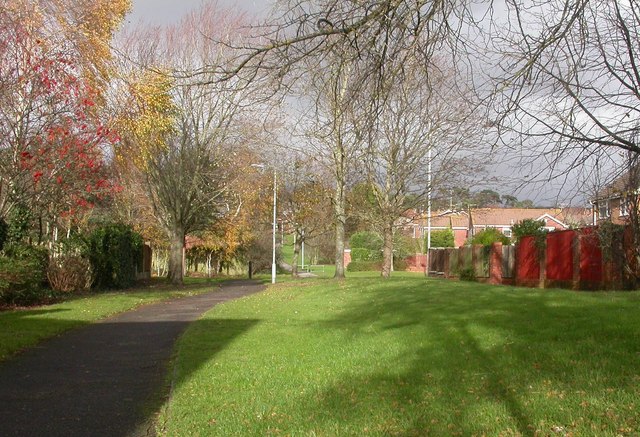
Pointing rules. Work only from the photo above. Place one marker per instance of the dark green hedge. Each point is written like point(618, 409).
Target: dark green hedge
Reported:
point(114, 251)
point(22, 275)
point(366, 240)
point(4, 230)
point(363, 254)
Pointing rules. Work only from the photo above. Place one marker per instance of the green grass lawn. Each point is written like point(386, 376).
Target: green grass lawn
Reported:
point(26, 327)
point(410, 356)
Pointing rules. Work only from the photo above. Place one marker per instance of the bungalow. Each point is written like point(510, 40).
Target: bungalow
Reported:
point(465, 224)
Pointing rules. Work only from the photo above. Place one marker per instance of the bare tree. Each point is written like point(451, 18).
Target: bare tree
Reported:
point(187, 171)
point(330, 134)
point(308, 30)
point(570, 81)
point(414, 144)
point(351, 56)
point(306, 205)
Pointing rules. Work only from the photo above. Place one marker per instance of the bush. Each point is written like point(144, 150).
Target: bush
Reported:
point(114, 252)
point(404, 246)
point(528, 227)
point(18, 224)
point(364, 266)
point(4, 229)
point(467, 274)
point(489, 236)
point(400, 265)
point(69, 273)
point(37, 255)
point(442, 238)
point(22, 273)
point(363, 254)
point(366, 240)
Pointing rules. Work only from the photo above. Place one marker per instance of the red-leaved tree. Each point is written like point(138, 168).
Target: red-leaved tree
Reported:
point(52, 137)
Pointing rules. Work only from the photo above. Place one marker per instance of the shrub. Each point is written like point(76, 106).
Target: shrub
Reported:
point(400, 265)
point(528, 227)
point(4, 229)
point(18, 224)
point(114, 251)
point(533, 228)
point(38, 256)
point(489, 236)
point(366, 240)
point(442, 238)
point(364, 266)
point(404, 246)
point(363, 254)
point(69, 273)
point(467, 274)
point(22, 273)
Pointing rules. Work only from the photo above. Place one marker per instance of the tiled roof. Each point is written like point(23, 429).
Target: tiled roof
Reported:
point(616, 188)
point(508, 216)
point(505, 216)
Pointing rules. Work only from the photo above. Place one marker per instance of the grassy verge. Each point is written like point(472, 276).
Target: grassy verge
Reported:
point(410, 356)
point(26, 327)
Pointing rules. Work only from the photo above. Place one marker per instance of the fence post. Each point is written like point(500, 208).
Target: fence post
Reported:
point(495, 264)
point(576, 245)
point(542, 283)
point(447, 263)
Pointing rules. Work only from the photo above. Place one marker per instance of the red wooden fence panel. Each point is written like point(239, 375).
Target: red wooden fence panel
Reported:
point(590, 258)
point(527, 262)
point(559, 259)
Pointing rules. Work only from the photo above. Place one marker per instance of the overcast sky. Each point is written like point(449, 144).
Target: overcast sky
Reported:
point(158, 12)
point(161, 12)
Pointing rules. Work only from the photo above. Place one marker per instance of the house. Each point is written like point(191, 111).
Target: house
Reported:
point(611, 203)
point(464, 224)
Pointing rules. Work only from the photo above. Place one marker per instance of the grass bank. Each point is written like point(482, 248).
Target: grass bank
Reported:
point(410, 356)
point(23, 328)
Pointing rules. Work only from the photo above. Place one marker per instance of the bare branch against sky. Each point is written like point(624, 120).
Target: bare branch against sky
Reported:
point(161, 12)
point(509, 170)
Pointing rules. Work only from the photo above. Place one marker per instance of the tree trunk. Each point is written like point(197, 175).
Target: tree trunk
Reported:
point(297, 243)
point(387, 251)
point(176, 259)
point(340, 218)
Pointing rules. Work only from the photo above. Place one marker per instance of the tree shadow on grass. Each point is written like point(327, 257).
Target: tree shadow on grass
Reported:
point(474, 359)
point(105, 379)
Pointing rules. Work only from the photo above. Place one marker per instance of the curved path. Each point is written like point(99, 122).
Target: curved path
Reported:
point(105, 379)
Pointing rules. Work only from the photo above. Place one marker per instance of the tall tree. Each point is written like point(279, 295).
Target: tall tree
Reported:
point(187, 169)
point(413, 142)
point(331, 135)
point(52, 126)
point(307, 208)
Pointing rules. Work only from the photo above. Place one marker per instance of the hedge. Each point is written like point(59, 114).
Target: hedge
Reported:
point(114, 251)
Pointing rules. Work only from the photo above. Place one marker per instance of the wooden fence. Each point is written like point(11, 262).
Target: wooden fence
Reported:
point(566, 259)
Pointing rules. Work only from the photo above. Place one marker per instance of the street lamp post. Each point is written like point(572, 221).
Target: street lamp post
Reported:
point(428, 211)
point(275, 193)
point(273, 256)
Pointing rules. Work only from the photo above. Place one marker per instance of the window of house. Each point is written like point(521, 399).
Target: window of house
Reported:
point(603, 210)
point(507, 232)
point(624, 206)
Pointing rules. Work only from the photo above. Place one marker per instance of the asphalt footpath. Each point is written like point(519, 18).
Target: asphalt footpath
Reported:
point(104, 379)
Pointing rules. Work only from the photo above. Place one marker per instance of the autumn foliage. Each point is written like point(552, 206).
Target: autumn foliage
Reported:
point(53, 134)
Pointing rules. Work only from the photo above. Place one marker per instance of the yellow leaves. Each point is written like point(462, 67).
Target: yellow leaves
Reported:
point(83, 27)
point(148, 120)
